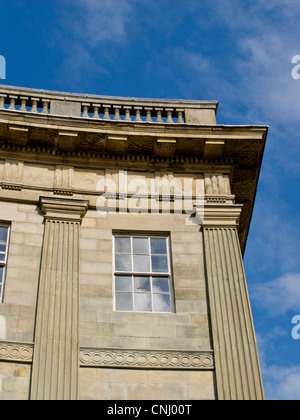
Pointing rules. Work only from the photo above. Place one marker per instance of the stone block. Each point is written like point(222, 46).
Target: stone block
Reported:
point(191, 332)
point(189, 294)
point(200, 116)
point(30, 228)
point(139, 330)
point(187, 247)
point(122, 375)
point(14, 381)
point(195, 270)
point(68, 109)
point(157, 392)
point(191, 307)
point(34, 239)
point(203, 392)
point(88, 244)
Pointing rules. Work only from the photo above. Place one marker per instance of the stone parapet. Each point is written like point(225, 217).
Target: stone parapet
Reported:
point(159, 111)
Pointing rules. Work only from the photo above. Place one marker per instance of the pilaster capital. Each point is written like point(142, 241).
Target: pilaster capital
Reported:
point(66, 209)
point(218, 215)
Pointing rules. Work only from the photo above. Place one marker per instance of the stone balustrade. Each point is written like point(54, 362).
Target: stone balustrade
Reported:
point(108, 108)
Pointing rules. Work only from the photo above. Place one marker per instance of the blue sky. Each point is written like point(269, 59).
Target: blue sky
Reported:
point(236, 51)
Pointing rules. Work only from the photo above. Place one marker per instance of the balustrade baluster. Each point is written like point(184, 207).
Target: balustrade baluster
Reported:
point(148, 114)
point(23, 100)
point(106, 112)
point(45, 106)
point(96, 111)
point(12, 105)
point(158, 115)
point(127, 113)
point(34, 104)
point(117, 113)
point(85, 110)
point(169, 115)
point(138, 110)
point(180, 116)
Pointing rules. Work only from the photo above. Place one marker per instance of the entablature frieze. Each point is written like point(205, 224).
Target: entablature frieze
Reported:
point(140, 190)
point(90, 143)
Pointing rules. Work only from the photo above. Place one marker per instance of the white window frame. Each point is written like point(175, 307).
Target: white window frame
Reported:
point(3, 264)
point(151, 274)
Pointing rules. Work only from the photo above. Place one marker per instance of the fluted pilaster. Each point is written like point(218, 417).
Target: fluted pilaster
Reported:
point(238, 373)
point(56, 348)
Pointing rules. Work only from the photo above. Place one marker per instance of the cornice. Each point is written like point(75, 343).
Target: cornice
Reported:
point(25, 120)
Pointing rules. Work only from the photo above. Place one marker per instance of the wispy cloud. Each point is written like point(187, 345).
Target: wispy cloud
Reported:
point(262, 35)
point(89, 32)
point(278, 296)
point(95, 22)
point(274, 234)
point(282, 383)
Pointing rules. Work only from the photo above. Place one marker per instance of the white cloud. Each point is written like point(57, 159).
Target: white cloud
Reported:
point(265, 38)
point(99, 21)
point(89, 31)
point(278, 296)
point(266, 341)
point(282, 383)
point(274, 244)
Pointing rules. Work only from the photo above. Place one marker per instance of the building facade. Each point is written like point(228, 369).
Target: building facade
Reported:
point(123, 224)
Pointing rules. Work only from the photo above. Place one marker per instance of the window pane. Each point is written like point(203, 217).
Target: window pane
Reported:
point(123, 284)
point(123, 263)
point(158, 246)
point(140, 245)
point(2, 248)
point(142, 284)
point(122, 245)
point(2, 257)
point(161, 303)
point(160, 264)
point(124, 302)
point(141, 263)
point(160, 285)
point(135, 288)
point(3, 234)
point(142, 302)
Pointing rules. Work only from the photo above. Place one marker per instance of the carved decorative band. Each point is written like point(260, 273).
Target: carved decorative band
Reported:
point(15, 352)
point(146, 359)
point(11, 186)
point(143, 359)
